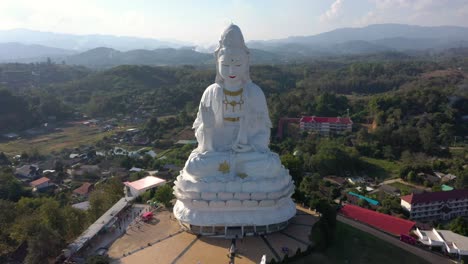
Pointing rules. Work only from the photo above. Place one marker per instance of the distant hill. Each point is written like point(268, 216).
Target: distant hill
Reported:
point(84, 42)
point(370, 39)
point(14, 51)
point(102, 51)
point(380, 31)
point(107, 57)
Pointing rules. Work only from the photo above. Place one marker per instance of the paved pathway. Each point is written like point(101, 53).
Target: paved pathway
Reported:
point(164, 242)
point(428, 256)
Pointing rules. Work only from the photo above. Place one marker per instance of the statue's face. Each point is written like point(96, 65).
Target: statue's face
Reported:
point(232, 67)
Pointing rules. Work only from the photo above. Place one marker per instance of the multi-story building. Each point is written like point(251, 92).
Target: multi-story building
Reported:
point(326, 125)
point(436, 205)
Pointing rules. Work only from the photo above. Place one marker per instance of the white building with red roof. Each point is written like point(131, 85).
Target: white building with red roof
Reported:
point(436, 205)
point(40, 183)
point(138, 187)
point(326, 125)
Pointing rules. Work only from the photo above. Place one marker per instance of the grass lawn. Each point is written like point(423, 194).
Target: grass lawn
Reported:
point(382, 169)
point(69, 137)
point(354, 246)
point(459, 152)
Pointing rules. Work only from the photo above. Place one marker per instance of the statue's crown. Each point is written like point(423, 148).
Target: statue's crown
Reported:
point(232, 38)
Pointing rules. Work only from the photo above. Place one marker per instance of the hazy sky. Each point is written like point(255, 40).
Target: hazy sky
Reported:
point(201, 21)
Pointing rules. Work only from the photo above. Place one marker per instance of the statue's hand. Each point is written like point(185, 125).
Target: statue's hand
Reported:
point(207, 115)
point(241, 148)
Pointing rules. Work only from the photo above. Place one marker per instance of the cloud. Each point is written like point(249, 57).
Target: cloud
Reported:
point(335, 10)
point(417, 12)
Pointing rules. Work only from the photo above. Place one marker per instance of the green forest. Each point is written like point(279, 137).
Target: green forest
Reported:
point(410, 115)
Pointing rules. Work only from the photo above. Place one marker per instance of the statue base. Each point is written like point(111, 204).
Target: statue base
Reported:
point(232, 222)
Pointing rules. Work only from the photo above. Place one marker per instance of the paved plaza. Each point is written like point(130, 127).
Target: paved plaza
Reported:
point(162, 241)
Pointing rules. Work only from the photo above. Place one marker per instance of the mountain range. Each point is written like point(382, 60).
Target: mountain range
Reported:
point(103, 51)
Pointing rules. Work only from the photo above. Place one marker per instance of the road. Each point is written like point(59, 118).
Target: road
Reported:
point(428, 256)
point(406, 183)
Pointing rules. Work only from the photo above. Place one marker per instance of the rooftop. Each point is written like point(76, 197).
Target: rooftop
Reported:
point(446, 188)
point(82, 206)
point(145, 183)
point(335, 179)
point(318, 119)
point(369, 200)
point(84, 189)
point(387, 223)
point(461, 242)
point(97, 226)
point(39, 181)
point(435, 196)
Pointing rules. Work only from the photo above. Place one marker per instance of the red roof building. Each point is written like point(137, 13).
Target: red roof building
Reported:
point(40, 183)
point(387, 223)
point(326, 125)
point(436, 205)
point(84, 189)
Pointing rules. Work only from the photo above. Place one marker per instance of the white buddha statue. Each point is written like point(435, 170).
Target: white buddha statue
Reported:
point(232, 167)
point(233, 114)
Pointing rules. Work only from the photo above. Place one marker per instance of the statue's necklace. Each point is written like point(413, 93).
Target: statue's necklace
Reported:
point(233, 103)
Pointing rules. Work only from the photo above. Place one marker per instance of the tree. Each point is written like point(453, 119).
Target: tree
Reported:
point(75, 222)
point(323, 232)
point(294, 165)
point(309, 184)
point(462, 179)
point(164, 195)
point(460, 226)
point(10, 187)
point(411, 176)
point(4, 159)
point(45, 244)
point(7, 218)
point(97, 260)
point(334, 158)
point(363, 203)
point(103, 197)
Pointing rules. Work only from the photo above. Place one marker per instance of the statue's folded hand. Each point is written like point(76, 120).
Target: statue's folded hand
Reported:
point(241, 148)
point(207, 115)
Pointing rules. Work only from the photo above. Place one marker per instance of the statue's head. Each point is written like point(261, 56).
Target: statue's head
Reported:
point(232, 58)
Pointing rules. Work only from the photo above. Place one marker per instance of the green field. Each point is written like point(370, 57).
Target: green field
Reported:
point(69, 137)
point(354, 246)
point(382, 169)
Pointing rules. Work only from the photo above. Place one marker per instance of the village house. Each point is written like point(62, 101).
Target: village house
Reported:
point(84, 190)
point(429, 178)
point(325, 125)
point(81, 170)
point(40, 183)
point(443, 205)
point(28, 171)
point(445, 177)
point(388, 189)
point(340, 181)
point(136, 188)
